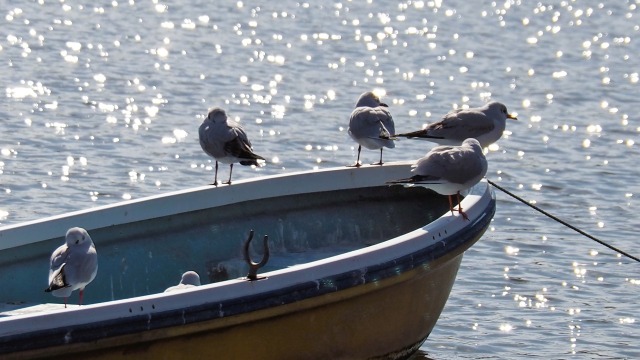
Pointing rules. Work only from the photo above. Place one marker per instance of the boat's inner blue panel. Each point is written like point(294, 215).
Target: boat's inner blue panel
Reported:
point(149, 256)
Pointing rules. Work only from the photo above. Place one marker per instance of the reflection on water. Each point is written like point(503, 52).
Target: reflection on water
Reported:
point(102, 102)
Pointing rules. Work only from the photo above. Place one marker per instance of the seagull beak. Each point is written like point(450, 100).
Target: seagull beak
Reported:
point(383, 104)
point(512, 117)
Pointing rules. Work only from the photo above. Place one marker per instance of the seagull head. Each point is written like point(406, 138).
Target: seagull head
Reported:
point(370, 99)
point(77, 236)
point(473, 143)
point(190, 278)
point(217, 115)
point(499, 111)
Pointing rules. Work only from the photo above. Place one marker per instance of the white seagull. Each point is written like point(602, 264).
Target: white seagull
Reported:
point(371, 125)
point(448, 170)
point(189, 279)
point(225, 141)
point(73, 265)
point(485, 123)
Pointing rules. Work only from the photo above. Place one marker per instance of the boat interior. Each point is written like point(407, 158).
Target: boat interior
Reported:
point(149, 256)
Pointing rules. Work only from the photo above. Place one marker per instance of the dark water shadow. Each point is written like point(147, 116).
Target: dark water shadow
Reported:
point(421, 355)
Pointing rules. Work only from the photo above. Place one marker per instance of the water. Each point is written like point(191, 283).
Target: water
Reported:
point(102, 103)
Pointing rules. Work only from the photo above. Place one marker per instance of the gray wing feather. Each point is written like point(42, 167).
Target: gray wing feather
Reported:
point(59, 256)
point(367, 122)
point(241, 149)
point(447, 163)
point(467, 124)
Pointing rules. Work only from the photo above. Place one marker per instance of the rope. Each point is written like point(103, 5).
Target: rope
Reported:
point(562, 221)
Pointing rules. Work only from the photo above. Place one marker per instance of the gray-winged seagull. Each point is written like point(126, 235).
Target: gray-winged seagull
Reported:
point(485, 123)
point(448, 170)
point(371, 125)
point(226, 141)
point(73, 265)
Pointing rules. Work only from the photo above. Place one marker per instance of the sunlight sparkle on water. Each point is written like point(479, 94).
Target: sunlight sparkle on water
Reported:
point(161, 8)
point(188, 24)
point(511, 250)
point(506, 327)
point(6, 152)
point(627, 320)
point(425, 62)
point(29, 89)
point(151, 110)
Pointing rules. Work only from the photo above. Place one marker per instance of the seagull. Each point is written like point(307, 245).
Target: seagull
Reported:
point(485, 123)
point(225, 141)
point(449, 169)
point(189, 279)
point(73, 265)
point(371, 125)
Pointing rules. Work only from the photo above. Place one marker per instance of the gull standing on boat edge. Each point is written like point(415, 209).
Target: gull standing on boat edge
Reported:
point(371, 125)
point(226, 141)
point(73, 265)
point(485, 123)
point(448, 170)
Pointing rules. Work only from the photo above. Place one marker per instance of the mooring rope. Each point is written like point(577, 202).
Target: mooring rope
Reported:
point(562, 221)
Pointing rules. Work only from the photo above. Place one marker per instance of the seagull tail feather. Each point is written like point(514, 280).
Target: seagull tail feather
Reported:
point(58, 281)
point(418, 134)
point(416, 179)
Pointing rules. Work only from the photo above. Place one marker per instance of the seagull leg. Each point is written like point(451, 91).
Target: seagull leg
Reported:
point(357, 164)
point(464, 215)
point(230, 171)
point(450, 204)
point(80, 297)
point(379, 163)
point(215, 177)
point(65, 302)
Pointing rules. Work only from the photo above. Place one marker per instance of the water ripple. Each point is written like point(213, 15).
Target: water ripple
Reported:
point(102, 103)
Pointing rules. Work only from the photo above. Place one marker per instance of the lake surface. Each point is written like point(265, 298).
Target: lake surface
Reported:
point(102, 102)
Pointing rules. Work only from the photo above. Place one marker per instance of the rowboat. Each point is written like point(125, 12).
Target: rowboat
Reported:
point(343, 267)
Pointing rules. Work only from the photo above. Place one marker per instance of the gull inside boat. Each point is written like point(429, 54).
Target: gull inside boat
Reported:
point(352, 268)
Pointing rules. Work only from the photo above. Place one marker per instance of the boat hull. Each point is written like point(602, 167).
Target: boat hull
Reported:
point(380, 300)
point(359, 323)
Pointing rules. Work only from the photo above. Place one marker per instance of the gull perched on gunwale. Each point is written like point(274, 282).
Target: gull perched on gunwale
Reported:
point(485, 123)
point(226, 141)
point(73, 265)
point(448, 170)
point(371, 125)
